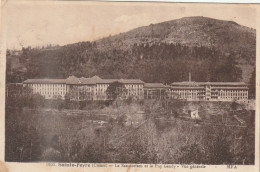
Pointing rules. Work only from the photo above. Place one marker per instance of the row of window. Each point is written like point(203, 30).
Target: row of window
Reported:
point(211, 91)
point(233, 94)
point(46, 85)
point(221, 97)
point(231, 97)
point(126, 85)
point(54, 89)
point(50, 93)
point(228, 94)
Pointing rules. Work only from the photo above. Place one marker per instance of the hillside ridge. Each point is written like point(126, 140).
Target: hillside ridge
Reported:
point(143, 53)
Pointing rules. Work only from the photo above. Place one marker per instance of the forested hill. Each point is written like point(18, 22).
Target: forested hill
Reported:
point(213, 50)
point(226, 36)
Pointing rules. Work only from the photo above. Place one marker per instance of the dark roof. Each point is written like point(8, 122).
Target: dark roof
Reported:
point(155, 85)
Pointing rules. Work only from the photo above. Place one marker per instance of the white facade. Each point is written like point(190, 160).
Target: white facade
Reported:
point(210, 91)
point(50, 90)
point(95, 88)
point(82, 88)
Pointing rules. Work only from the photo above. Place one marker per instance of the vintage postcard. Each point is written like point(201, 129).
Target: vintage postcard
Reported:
point(129, 86)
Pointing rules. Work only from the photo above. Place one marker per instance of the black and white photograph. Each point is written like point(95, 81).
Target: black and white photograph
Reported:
point(130, 83)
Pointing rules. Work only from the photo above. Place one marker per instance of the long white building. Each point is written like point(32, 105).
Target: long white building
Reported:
point(94, 88)
point(210, 91)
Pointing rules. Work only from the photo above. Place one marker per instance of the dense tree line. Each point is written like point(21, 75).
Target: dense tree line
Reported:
point(46, 136)
point(158, 62)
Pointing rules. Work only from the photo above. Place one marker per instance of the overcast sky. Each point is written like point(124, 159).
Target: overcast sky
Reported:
point(36, 24)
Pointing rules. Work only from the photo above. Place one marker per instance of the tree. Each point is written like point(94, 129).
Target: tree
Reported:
point(115, 90)
point(228, 71)
point(23, 142)
point(234, 106)
point(36, 101)
point(252, 85)
point(121, 119)
point(8, 52)
point(218, 146)
point(25, 54)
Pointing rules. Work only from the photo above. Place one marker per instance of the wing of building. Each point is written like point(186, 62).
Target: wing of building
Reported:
point(210, 91)
point(156, 91)
point(93, 88)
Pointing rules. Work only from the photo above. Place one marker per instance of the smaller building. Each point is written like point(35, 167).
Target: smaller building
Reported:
point(156, 91)
point(14, 90)
point(194, 114)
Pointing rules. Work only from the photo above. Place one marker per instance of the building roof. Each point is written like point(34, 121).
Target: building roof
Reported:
point(88, 81)
point(106, 81)
point(131, 81)
point(196, 87)
point(233, 88)
point(45, 81)
point(192, 83)
point(72, 80)
point(123, 81)
point(155, 85)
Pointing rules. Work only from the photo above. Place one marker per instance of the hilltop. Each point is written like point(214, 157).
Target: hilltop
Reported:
point(213, 50)
point(226, 36)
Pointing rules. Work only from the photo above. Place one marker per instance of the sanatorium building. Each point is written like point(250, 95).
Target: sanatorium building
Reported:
point(94, 88)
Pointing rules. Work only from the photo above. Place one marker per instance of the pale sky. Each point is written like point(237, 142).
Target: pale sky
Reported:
point(40, 23)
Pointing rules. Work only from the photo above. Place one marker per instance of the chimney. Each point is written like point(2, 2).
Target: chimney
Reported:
point(189, 77)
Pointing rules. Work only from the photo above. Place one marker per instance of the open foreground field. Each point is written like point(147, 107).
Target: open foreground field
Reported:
point(147, 132)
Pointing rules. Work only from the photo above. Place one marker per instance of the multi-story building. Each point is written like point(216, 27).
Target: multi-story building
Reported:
point(49, 88)
point(93, 88)
point(211, 91)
